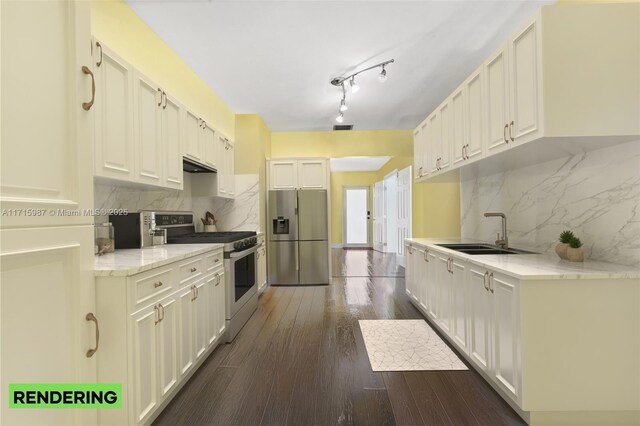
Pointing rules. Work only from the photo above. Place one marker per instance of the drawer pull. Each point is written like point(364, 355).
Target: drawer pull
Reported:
point(157, 311)
point(216, 261)
point(217, 280)
point(193, 290)
point(158, 284)
point(91, 317)
point(194, 269)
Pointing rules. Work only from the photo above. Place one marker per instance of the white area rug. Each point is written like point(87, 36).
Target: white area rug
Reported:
point(403, 345)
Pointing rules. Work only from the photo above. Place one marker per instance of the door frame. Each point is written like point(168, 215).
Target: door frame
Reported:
point(390, 211)
point(344, 216)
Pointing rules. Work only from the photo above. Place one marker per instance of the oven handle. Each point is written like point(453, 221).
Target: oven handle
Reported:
point(243, 253)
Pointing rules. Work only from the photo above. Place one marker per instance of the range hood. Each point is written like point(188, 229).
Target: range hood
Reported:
point(193, 167)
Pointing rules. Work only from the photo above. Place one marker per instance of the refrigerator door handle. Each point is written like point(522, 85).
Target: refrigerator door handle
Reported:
point(297, 259)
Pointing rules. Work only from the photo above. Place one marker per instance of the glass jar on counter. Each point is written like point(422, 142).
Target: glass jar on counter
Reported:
point(104, 238)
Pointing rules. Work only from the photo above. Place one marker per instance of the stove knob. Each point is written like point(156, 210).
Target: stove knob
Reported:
point(237, 245)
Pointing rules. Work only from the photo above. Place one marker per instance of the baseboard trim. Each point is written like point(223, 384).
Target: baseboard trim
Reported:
point(336, 246)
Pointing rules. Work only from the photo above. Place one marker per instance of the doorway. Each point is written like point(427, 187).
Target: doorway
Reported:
point(355, 229)
point(390, 185)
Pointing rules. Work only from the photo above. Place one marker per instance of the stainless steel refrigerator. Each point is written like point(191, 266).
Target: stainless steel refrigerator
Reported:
point(298, 238)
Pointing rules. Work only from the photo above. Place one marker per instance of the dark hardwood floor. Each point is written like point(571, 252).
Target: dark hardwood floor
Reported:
point(301, 360)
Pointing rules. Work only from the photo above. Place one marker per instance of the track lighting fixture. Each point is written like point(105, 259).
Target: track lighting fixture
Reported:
point(353, 87)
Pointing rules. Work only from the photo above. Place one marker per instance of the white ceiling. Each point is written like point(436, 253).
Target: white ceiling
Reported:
point(357, 164)
point(276, 58)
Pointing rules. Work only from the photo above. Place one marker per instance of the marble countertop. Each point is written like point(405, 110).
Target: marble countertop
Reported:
point(533, 266)
point(123, 263)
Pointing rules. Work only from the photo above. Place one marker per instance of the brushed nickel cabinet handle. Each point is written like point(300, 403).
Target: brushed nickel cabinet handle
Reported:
point(91, 317)
point(165, 99)
point(464, 147)
point(158, 284)
point(159, 91)
point(217, 260)
point(195, 287)
point(194, 269)
point(484, 280)
point(426, 255)
point(100, 47)
point(87, 105)
point(490, 281)
point(504, 133)
point(162, 310)
point(510, 135)
point(217, 280)
point(193, 290)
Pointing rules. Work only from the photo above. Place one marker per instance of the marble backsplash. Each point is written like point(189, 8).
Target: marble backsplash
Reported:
point(241, 213)
point(595, 194)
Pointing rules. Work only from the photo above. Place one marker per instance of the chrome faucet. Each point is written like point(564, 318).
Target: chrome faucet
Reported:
point(502, 242)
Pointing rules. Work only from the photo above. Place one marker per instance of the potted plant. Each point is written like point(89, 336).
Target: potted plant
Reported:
point(563, 245)
point(574, 252)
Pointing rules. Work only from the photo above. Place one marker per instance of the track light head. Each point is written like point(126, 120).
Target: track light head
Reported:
point(383, 75)
point(353, 85)
point(343, 106)
point(340, 118)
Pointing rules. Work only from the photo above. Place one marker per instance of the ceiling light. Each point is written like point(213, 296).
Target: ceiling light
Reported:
point(383, 75)
point(353, 85)
point(351, 79)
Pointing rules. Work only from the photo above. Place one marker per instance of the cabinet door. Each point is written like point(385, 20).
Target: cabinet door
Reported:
point(434, 143)
point(506, 323)
point(113, 125)
point(47, 289)
point(409, 275)
point(479, 315)
point(473, 116)
point(212, 308)
point(459, 305)
point(458, 125)
point(147, 116)
point(193, 139)
point(200, 320)
point(433, 289)
point(417, 153)
point(312, 174)
point(145, 362)
point(423, 275)
point(46, 134)
point(221, 303)
point(526, 83)
point(168, 345)
point(283, 174)
point(210, 146)
point(444, 294)
point(172, 138)
point(185, 326)
point(497, 120)
point(221, 149)
point(230, 172)
point(446, 131)
point(425, 134)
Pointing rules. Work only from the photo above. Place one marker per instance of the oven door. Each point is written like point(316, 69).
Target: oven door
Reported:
point(240, 268)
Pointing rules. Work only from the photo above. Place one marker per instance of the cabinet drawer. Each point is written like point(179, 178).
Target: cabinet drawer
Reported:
point(151, 285)
point(191, 269)
point(213, 260)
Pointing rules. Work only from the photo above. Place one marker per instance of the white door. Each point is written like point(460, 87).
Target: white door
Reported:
point(147, 101)
point(113, 112)
point(46, 135)
point(355, 216)
point(193, 139)
point(167, 345)
point(283, 174)
point(404, 211)
point(479, 314)
point(185, 325)
point(458, 125)
point(526, 87)
point(145, 361)
point(211, 155)
point(312, 174)
point(390, 244)
point(378, 216)
point(473, 118)
point(172, 138)
point(497, 101)
point(506, 359)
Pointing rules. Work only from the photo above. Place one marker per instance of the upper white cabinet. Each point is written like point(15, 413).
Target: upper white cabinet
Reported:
point(147, 117)
point(193, 138)
point(172, 137)
point(308, 173)
point(551, 82)
point(210, 147)
point(225, 175)
point(114, 117)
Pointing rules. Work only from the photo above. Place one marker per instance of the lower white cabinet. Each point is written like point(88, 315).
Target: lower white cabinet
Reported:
point(156, 327)
point(261, 257)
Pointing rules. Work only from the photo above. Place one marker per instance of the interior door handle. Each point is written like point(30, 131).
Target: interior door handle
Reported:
point(91, 317)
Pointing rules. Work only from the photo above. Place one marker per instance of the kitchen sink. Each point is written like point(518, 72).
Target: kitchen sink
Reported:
point(477, 249)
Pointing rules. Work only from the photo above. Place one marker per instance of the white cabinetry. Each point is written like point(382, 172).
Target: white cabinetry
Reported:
point(225, 175)
point(46, 163)
point(157, 327)
point(261, 258)
point(193, 139)
point(473, 116)
point(292, 173)
point(148, 101)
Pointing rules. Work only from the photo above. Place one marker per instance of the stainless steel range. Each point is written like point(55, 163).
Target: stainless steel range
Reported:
point(239, 263)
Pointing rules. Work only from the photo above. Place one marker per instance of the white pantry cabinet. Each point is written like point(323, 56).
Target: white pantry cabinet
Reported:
point(157, 327)
point(113, 112)
point(298, 173)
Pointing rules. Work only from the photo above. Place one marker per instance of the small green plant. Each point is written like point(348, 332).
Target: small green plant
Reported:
point(566, 236)
point(575, 242)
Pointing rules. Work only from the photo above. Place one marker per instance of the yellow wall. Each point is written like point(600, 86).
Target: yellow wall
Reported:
point(252, 146)
point(117, 26)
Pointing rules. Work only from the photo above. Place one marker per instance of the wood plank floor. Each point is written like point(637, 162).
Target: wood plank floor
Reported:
point(301, 360)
